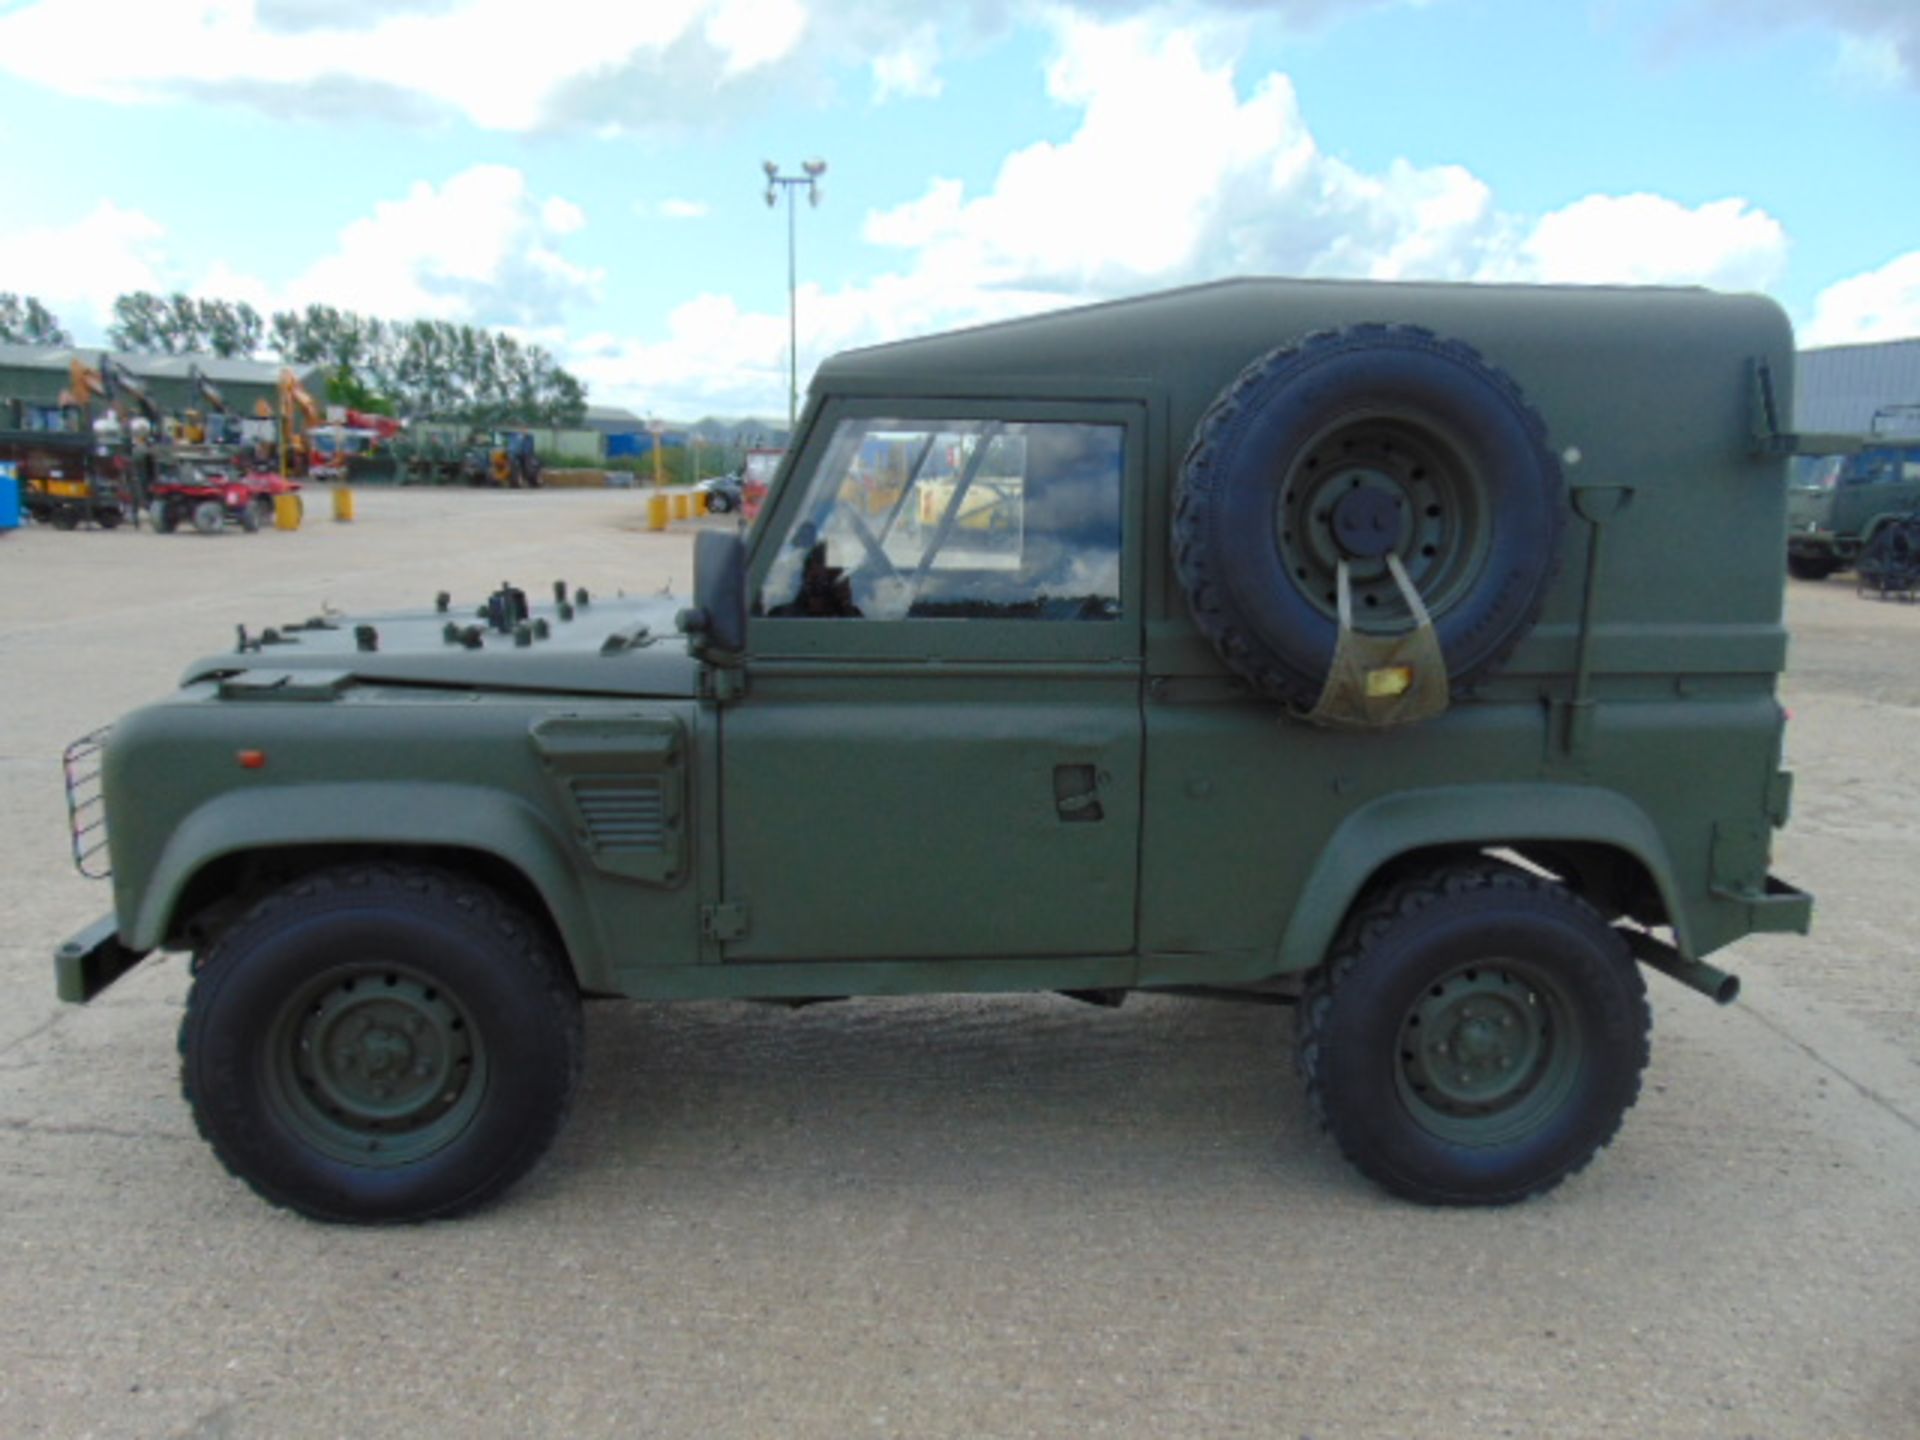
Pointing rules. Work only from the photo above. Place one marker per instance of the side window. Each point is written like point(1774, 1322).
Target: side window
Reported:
point(956, 519)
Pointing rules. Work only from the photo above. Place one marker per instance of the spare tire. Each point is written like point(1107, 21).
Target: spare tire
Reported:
point(1349, 446)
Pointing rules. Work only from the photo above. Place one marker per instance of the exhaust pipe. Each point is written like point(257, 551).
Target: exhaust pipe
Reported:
point(1710, 980)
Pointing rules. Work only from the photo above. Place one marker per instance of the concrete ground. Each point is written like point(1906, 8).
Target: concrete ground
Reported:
point(984, 1217)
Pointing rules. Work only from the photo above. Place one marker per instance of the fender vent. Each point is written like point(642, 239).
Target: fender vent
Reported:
point(623, 779)
point(623, 816)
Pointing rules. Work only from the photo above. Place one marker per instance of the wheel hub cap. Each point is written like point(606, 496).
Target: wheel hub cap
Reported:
point(1366, 522)
point(377, 1064)
point(1476, 1042)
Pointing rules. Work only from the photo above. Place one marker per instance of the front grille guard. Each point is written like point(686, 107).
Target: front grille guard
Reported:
point(87, 805)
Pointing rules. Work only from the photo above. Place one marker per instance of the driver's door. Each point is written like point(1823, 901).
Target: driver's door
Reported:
point(938, 753)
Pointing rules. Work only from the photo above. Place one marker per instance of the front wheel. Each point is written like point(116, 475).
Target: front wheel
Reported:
point(1476, 1036)
point(381, 1043)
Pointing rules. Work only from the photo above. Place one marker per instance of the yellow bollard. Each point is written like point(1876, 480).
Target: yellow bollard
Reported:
point(702, 503)
point(287, 512)
point(680, 508)
point(656, 511)
point(342, 503)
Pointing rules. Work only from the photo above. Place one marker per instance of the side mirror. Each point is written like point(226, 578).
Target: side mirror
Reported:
point(717, 620)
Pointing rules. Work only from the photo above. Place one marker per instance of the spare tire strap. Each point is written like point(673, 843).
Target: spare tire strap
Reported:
point(1379, 681)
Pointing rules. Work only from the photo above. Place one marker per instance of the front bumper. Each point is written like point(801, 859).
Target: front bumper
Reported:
point(91, 961)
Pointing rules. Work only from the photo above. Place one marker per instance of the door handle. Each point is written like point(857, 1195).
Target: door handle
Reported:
point(1076, 792)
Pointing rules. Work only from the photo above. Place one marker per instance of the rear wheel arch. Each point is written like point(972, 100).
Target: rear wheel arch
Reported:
point(1598, 844)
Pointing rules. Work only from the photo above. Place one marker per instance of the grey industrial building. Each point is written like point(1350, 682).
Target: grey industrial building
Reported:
point(1860, 389)
point(35, 375)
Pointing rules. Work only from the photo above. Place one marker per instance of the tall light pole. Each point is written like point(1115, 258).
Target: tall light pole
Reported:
point(811, 171)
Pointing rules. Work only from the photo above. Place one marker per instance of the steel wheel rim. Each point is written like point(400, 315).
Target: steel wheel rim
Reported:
point(1411, 474)
point(1488, 1053)
point(375, 1065)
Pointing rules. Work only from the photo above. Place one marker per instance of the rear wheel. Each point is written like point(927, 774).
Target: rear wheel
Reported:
point(249, 517)
point(209, 517)
point(1810, 567)
point(381, 1043)
point(1476, 1036)
point(163, 517)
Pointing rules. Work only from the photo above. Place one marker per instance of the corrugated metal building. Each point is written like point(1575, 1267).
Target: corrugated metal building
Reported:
point(1846, 389)
point(36, 374)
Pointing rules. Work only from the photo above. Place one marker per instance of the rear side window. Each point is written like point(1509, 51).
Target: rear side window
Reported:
point(954, 520)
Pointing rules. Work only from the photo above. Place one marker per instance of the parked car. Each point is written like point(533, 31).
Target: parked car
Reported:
point(723, 493)
point(1303, 652)
point(1836, 504)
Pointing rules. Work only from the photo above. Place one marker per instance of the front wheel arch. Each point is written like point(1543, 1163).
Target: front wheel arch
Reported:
point(226, 886)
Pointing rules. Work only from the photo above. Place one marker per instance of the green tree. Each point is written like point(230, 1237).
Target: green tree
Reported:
point(430, 368)
point(25, 321)
point(141, 321)
point(230, 329)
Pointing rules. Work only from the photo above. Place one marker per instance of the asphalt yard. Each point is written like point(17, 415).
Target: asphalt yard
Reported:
point(992, 1217)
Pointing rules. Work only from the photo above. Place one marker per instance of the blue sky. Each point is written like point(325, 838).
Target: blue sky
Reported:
point(593, 180)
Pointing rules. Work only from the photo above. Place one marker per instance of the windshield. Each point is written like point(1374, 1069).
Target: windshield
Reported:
point(1814, 472)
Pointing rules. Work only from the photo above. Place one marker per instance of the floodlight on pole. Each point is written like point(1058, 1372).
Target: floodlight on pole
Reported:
point(811, 171)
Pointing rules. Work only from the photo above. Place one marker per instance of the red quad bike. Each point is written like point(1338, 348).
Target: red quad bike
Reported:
point(209, 495)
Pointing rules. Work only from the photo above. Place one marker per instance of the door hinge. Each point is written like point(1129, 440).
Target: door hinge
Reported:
point(721, 683)
point(725, 921)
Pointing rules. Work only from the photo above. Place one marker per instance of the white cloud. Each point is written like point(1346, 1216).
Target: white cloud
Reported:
point(1207, 181)
point(478, 248)
point(562, 217)
point(683, 210)
point(485, 59)
point(754, 33)
point(911, 68)
point(1882, 304)
point(1211, 179)
point(1650, 240)
point(78, 269)
point(576, 64)
point(1876, 41)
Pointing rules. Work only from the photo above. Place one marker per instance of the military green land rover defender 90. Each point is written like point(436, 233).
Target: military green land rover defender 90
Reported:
point(1343, 644)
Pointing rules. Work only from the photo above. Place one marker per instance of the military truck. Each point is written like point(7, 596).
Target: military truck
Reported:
point(1836, 504)
point(1346, 645)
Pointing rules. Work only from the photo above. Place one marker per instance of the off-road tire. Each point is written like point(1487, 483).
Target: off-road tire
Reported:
point(163, 517)
point(1810, 567)
point(1468, 949)
point(209, 517)
point(350, 984)
point(1472, 498)
point(248, 517)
